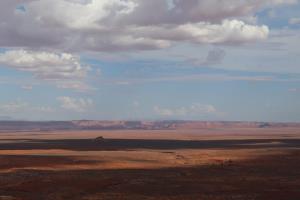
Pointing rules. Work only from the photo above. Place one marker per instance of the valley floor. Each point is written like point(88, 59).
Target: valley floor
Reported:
point(206, 164)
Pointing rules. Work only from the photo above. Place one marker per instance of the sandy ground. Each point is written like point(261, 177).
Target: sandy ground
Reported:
point(189, 134)
point(216, 164)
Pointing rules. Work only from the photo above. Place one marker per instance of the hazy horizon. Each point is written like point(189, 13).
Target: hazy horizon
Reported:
point(147, 120)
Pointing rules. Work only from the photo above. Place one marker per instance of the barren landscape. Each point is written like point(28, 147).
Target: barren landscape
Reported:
point(149, 100)
point(220, 163)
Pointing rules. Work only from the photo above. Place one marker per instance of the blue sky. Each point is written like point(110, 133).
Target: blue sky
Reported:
point(111, 60)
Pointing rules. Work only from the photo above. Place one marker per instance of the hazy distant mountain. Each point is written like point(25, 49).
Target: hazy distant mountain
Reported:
point(8, 125)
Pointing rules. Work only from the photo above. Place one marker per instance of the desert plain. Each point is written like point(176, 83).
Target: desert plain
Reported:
point(227, 163)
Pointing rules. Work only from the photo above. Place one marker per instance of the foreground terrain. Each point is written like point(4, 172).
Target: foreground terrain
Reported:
point(231, 163)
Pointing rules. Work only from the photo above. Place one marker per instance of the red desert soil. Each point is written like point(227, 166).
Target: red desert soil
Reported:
point(205, 164)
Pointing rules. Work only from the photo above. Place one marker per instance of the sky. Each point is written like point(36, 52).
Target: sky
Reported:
point(228, 60)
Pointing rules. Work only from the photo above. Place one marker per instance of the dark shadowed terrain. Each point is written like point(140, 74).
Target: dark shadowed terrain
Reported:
point(273, 177)
point(221, 163)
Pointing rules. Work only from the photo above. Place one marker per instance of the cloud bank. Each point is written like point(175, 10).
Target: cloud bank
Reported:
point(46, 37)
point(196, 109)
point(119, 25)
point(75, 105)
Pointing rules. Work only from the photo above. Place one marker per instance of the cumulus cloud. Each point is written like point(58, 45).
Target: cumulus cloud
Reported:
point(44, 65)
point(19, 106)
point(75, 105)
point(294, 21)
point(62, 68)
point(13, 107)
point(75, 85)
point(27, 87)
point(195, 109)
point(80, 14)
point(51, 32)
point(294, 89)
point(44, 109)
point(118, 25)
point(191, 11)
point(229, 31)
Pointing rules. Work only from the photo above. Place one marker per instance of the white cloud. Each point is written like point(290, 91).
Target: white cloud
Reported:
point(196, 77)
point(76, 105)
point(75, 85)
point(26, 87)
point(44, 65)
point(136, 104)
point(44, 109)
point(13, 107)
point(61, 68)
point(233, 31)
point(79, 14)
point(110, 25)
point(195, 109)
point(294, 21)
point(294, 89)
point(90, 26)
point(191, 11)
point(19, 106)
point(229, 31)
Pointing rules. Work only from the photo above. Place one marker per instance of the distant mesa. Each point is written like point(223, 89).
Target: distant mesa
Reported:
point(9, 125)
point(99, 139)
point(264, 125)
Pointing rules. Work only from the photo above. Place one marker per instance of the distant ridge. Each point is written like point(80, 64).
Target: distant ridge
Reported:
point(120, 125)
